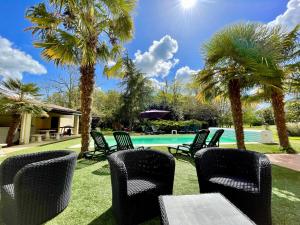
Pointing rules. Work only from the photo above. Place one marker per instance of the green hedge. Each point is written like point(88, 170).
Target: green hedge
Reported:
point(169, 125)
point(293, 129)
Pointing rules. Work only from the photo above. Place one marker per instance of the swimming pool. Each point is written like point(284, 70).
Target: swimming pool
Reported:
point(152, 140)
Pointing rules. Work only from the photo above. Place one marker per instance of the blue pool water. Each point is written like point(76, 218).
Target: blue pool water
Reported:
point(227, 137)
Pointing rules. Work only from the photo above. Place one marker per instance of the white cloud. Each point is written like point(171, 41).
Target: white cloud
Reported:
point(13, 62)
point(185, 74)
point(291, 17)
point(156, 84)
point(159, 59)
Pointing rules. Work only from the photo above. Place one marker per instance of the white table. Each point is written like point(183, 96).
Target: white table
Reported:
point(202, 209)
point(2, 153)
point(47, 133)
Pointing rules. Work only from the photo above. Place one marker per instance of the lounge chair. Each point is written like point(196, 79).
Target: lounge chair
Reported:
point(101, 147)
point(190, 149)
point(215, 140)
point(184, 130)
point(124, 141)
point(147, 130)
point(156, 131)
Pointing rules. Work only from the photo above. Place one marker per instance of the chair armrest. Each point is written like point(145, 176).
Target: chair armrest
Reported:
point(10, 167)
point(119, 176)
point(204, 162)
point(264, 174)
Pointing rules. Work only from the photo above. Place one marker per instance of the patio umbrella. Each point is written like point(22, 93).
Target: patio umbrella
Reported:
point(154, 114)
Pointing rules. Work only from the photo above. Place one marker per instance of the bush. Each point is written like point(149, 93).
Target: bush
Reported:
point(169, 125)
point(293, 129)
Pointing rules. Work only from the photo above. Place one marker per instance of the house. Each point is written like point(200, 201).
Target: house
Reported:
point(55, 118)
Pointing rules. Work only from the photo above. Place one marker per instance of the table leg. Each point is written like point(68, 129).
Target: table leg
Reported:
point(47, 136)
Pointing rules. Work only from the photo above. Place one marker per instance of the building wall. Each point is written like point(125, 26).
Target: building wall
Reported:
point(66, 120)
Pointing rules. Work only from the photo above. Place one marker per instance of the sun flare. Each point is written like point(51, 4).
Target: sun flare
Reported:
point(187, 4)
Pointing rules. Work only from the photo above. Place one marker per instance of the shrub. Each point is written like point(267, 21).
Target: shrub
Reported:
point(293, 129)
point(169, 125)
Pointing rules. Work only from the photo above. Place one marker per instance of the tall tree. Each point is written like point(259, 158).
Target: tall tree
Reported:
point(136, 94)
point(17, 101)
point(82, 33)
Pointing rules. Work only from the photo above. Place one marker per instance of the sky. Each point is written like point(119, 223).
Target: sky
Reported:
point(167, 39)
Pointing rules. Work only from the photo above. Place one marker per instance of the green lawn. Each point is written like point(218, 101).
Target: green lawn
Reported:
point(91, 195)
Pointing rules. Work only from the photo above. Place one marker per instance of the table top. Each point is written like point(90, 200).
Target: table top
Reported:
point(3, 145)
point(46, 130)
point(202, 209)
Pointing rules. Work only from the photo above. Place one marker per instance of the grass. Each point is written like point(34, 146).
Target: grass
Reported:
point(91, 191)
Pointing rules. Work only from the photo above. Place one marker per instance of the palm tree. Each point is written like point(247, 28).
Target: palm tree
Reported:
point(284, 65)
point(236, 57)
point(18, 101)
point(82, 33)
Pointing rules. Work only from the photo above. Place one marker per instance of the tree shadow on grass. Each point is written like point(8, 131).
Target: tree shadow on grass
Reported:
point(103, 171)
point(285, 196)
point(83, 163)
point(106, 218)
point(184, 158)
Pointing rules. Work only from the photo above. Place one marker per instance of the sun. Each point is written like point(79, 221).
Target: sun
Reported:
point(188, 4)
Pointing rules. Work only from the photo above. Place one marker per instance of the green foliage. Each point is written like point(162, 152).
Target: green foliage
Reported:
point(266, 115)
point(81, 32)
point(136, 93)
point(293, 111)
point(293, 129)
point(169, 125)
point(251, 117)
point(20, 98)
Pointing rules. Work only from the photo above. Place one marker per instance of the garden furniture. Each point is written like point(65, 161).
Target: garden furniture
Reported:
point(243, 177)
point(1, 152)
point(215, 140)
point(36, 138)
point(147, 130)
point(204, 209)
point(36, 187)
point(138, 178)
point(157, 131)
point(101, 147)
point(190, 149)
point(124, 141)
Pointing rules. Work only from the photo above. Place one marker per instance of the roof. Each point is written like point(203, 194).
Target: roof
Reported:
point(50, 107)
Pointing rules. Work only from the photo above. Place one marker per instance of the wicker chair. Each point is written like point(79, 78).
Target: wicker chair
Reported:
point(138, 178)
point(244, 177)
point(36, 187)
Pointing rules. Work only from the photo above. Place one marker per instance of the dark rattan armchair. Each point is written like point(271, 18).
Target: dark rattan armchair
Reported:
point(138, 178)
point(36, 187)
point(244, 177)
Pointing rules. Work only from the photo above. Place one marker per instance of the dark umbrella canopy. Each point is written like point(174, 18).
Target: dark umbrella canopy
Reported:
point(154, 114)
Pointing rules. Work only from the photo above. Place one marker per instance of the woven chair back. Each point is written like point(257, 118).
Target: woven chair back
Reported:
point(199, 140)
point(216, 138)
point(99, 140)
point(123, 140)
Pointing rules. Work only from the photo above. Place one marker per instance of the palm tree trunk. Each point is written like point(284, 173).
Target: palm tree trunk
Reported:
point(16, 120)
point(87, 81)
point(234, 91)
point(277, 99)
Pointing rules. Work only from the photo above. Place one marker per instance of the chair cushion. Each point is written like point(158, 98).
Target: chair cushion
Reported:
point(139, 186)
point(8, 191)
point(235, 182)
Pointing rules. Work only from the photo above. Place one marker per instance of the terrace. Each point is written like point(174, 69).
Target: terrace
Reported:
point(91, 188)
